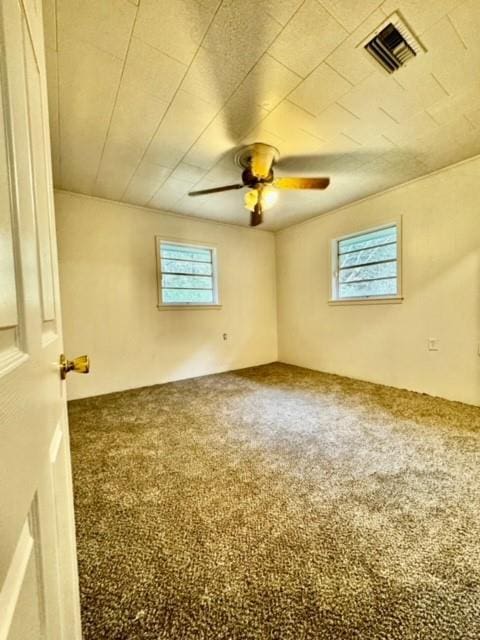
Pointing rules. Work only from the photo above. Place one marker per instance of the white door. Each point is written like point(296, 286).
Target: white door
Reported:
point(38, 571)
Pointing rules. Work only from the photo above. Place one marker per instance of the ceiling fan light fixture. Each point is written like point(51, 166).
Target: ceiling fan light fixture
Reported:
point(266, 195)
point(251, 199)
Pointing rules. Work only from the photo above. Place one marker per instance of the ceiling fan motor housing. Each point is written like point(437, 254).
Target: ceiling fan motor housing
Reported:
point(252, 181)
point(259, 158)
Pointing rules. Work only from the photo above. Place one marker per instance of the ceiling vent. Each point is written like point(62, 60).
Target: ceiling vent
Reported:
point(393, 44)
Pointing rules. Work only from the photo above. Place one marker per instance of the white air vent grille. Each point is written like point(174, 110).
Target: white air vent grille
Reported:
point(393, 44)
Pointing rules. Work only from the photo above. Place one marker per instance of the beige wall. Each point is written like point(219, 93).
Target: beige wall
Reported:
point(387, 343)
point(109, 297)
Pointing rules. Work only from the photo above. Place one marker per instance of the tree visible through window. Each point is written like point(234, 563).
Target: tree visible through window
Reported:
point(187, 274)
point(366, 265)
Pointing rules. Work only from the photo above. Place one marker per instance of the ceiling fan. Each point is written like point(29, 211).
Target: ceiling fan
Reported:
point(257, 161)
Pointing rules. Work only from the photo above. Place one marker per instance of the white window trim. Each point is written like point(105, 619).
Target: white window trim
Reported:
point(165, 306)
point(386, 299)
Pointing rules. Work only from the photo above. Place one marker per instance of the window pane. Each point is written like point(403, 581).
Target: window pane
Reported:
point(383, 270)
point(187, 282)
point(187, 274)
point(199, 296)
point(177, 252)
point(369, 239)
point(373, 288)
point(175, 266)
point(365, 256)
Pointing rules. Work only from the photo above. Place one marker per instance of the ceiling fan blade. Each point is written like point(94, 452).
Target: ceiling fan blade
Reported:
point(301, 183)
point(321, 162)
point(256, 216)
point(263, 156)
point(318, 161)
point(228, 187)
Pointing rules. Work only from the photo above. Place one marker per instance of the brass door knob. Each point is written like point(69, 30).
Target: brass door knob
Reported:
point(79, 365)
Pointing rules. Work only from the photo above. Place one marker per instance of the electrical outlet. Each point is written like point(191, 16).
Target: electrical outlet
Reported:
point(225, 336)
point(433, 344)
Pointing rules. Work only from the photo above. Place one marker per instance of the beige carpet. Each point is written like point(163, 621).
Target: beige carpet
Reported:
point(277, 503)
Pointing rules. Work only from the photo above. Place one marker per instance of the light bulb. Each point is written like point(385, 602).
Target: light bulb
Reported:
point(269, 197)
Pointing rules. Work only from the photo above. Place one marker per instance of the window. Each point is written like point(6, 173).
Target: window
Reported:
point(187, 274)
point(366, 265)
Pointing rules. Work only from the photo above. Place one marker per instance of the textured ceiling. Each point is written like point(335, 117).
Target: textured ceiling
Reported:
point(148, 98)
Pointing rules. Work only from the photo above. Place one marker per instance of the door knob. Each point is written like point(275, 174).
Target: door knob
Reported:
point(79, 365)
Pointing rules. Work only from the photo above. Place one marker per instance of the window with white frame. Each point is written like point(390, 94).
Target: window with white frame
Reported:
point(366, 265)
point(187, 274)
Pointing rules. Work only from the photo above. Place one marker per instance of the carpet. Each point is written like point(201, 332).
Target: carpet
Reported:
point(277, 503)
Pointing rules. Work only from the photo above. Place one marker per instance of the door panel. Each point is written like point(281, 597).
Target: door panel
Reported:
point(20, 599)
point(26, 623)
point(8, 291)
point(9, 314)
point(39, 168)
point(38, 572)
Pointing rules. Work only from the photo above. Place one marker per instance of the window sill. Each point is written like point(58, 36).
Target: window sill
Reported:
point(355, 301)
point(187, 307)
